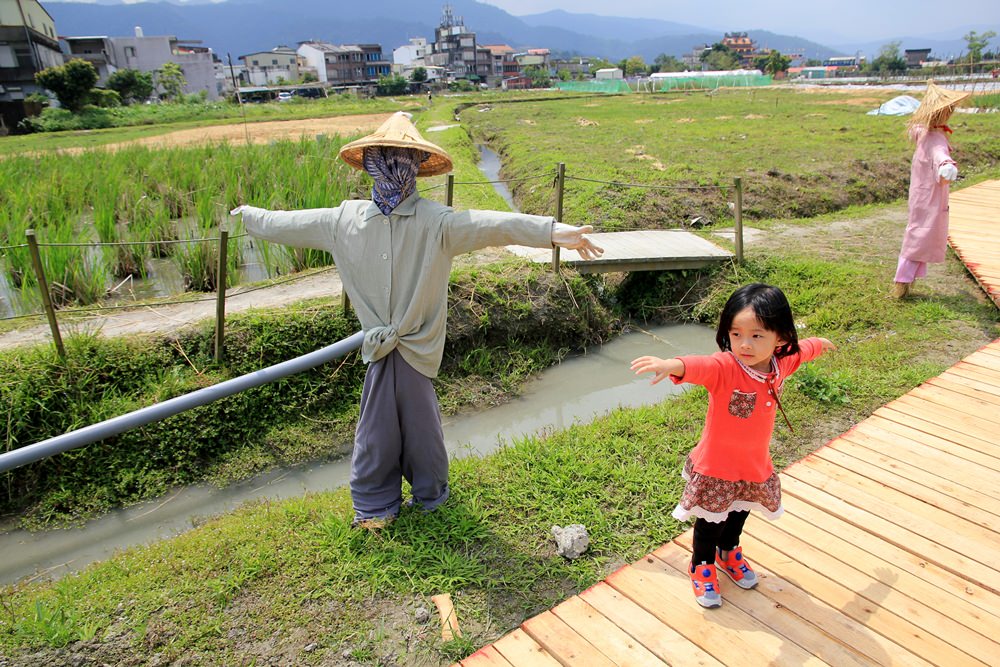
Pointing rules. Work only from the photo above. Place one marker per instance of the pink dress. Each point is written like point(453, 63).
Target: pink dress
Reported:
point(926, 234)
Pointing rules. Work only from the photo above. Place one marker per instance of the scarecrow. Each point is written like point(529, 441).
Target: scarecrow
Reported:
point(931, 172)
point(394, 256)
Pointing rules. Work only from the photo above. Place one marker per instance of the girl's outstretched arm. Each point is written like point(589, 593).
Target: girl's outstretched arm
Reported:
point(661, 367)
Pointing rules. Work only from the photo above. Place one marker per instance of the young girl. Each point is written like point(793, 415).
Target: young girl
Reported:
point(729, 472)
point(931, 171)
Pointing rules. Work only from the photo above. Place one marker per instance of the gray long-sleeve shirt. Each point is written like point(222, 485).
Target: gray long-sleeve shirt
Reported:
point(395, 268)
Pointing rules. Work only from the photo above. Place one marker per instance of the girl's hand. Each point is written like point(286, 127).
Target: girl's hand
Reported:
point(827, 345)
point(661, 367)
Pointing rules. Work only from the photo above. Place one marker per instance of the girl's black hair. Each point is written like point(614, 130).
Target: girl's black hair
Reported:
point(772, 309)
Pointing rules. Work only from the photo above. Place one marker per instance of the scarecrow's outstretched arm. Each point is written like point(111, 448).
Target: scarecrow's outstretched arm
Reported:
point(308, 228)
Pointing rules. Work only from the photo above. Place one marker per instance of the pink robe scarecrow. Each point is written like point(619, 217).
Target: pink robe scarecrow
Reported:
point(926, 234)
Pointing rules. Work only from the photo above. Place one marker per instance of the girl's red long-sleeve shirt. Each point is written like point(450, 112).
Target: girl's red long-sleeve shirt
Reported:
point(735, 443)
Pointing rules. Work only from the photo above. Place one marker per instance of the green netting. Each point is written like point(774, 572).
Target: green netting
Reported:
point(712, 82)
point(595, 86)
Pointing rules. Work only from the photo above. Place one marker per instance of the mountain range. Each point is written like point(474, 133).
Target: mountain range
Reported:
point(244, 26)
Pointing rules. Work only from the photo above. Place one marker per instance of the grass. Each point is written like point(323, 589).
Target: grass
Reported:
point(273, 577)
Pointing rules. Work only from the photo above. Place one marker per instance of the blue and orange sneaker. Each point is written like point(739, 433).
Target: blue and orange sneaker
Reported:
point(705, 582)
point(737, 567)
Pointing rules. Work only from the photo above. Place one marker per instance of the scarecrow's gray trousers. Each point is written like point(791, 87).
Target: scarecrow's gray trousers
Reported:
point(399, 435)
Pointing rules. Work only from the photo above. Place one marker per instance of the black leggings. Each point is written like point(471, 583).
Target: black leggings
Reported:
point(725, 535)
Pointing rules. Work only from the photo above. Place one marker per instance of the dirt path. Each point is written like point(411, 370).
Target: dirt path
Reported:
point(258, 132)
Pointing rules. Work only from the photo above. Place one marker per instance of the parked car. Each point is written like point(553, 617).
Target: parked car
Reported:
point(284, 96)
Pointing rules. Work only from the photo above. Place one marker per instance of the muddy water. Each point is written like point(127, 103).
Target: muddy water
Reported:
point(489, 164)
point(577, 390)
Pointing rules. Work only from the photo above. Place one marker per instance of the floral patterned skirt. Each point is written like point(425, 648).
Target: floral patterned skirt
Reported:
point(712, 499)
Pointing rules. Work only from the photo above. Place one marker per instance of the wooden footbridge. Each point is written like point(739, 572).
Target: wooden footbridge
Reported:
point(888, 554)
point(648, 250)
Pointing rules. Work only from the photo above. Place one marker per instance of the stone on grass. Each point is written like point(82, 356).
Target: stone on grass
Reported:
point(572, 540)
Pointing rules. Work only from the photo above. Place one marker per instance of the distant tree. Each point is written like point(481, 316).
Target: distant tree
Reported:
point(70, 83)
point(772, 63)
point(539, 76)
point(720, 57)
point(665, 63)
point(888, 61)
point(564, 75)
point(977, 44)
point(634, 66)
point(393, 84)
point(131, 85)
point(600, 63)
point(419, 75)
point(813, 62)
point(170, 79)
point(309, 77)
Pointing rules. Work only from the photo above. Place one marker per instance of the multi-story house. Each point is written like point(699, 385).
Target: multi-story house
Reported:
point(504, 65)
point(266, 67)
point(345, 65)
point(456, 50)
point(28, 44)
point(412, 54)
point(148, 54)
point(741, 44)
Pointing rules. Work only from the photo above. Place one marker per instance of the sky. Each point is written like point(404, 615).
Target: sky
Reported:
point(842, 21)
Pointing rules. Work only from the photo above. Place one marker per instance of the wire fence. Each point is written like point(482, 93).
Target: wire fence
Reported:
point(558, 177)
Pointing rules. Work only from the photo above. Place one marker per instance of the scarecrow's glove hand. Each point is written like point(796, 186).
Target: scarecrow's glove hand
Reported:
point(572, 238)
point(948, 172)
point(238, 210)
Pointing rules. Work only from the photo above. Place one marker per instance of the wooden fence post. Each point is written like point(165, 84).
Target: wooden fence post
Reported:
point(738, 230)
point(43, 287)
point(449, 198)
point(560, 184)
point(220, 301)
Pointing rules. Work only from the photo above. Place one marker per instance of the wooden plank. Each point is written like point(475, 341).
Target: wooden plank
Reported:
point(562, 642)
point(962, 387)
point(613, 642)
point(926, 487)
point(910, 415)
point(856, 635)
point(957, 476)
point(488, 656)
point(962, 384)
point(965, 588)
point(779, 618)
point(889, 421)
point(942, 527)
point(662, 640)
point(728, 633)
point(865, 603)
point(954, 419)
point(978, 625)
point(902, 537)
point(520, 650)
point(961, 402)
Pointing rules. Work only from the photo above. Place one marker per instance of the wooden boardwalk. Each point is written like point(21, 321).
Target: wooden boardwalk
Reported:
point(650, 250)
point(974, 228)
point(888, 553)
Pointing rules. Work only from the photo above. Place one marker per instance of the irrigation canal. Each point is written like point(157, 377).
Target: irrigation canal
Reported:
point(577, 390)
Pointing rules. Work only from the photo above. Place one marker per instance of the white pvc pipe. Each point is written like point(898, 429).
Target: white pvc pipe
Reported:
point(105, 429)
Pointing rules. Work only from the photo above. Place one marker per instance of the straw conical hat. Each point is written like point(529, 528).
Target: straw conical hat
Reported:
point(398, 131)
point(935, 99)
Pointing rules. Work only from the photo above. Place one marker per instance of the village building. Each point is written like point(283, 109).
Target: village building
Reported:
point(279, 65)
point(28, 44)
point(148, 54)
point(412, 54)
point(345, 65)
point(455, 48)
